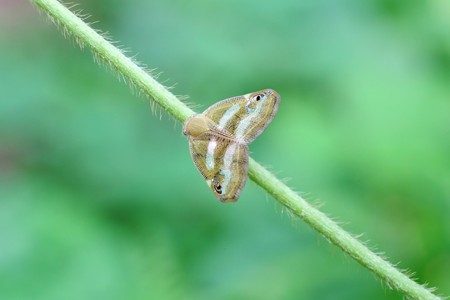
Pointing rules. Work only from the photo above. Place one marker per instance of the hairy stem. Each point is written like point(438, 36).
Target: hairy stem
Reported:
point(125, 66)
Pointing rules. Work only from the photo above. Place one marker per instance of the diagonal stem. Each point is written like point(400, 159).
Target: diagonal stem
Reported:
point(125, 66)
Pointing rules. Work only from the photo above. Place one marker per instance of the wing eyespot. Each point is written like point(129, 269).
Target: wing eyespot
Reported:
point(216, 184)
point(259, 97)
point(218, 188)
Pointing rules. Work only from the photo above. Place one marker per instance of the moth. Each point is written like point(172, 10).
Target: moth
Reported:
point(219, 136)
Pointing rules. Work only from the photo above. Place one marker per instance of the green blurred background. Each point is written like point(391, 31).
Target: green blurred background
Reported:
point(99, 198)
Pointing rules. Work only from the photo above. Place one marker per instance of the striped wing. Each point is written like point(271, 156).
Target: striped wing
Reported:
point(223, 164)
point(245, 117)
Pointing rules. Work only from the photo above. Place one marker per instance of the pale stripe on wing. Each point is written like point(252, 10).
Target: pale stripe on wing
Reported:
point(228, 115)
point(210, 154)
point(243, 125)
point(227, 161)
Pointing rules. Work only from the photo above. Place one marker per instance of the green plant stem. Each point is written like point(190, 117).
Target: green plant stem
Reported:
point(282, 193)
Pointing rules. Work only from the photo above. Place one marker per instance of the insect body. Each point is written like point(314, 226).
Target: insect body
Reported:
point(219, 136)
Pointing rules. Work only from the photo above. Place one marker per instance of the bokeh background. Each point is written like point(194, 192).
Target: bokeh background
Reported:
point(99, 198)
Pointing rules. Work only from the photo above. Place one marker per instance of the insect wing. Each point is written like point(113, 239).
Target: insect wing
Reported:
point(245, 117)
point(223, 164)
